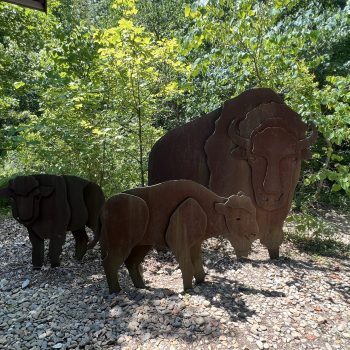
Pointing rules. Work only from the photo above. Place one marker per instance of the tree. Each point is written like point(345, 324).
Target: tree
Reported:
point(138, 70)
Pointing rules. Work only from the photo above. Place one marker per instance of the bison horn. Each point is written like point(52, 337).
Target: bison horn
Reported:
point(307, 141)
point(233, 133)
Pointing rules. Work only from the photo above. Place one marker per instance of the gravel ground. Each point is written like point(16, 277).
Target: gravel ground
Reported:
point(296, 302)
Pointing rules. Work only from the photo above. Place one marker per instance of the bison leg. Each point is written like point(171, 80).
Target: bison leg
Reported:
point(186, 267)
point(81, 240)
point(197, 262)
point(186, 229)
point(177, 242)
point(272, 241)
point(274, 252)
point(37, 250)
point(133, 264)
point(55, 249)
point(111, 264)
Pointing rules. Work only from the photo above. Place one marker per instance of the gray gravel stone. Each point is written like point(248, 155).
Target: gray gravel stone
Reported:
point(25, 283)
point(290, 304)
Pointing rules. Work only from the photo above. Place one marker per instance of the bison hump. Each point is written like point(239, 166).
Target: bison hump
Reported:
point(179, 154)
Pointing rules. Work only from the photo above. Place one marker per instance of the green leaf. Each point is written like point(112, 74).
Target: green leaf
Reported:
point(18, 84)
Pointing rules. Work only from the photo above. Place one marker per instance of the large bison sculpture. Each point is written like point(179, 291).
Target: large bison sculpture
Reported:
point(50, 205)
point(254, 143)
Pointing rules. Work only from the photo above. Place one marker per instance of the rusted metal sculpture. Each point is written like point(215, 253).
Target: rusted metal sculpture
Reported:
point(254, 144)
point(50, 205)
point(175, 214)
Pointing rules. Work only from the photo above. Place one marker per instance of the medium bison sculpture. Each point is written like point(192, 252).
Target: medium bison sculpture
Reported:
point(50, 205)
point(255, 143)
point(175, 214)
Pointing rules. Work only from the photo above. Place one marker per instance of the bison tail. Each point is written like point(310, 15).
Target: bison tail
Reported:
point(97, 234)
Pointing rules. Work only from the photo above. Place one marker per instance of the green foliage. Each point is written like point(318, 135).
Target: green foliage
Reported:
point(316, 236)
point(311, 224)
point(89, 88)
point(99, 89)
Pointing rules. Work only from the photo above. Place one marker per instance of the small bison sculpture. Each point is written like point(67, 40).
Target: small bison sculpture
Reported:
point(175, 214)
point(255, 143)
point(50, 205)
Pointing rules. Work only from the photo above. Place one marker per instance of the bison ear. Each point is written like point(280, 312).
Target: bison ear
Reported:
point(239, 153)
point(305, 154)
point(5, 192)
point(220, 208)
point(46, 191)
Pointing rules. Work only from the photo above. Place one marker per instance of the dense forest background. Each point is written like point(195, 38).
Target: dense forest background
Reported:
point(88, 88)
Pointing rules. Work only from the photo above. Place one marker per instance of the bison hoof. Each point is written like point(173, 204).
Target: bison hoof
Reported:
point(200, 278)
point(53, 265)
point(36, 268)
point(114, 290)
point(188, 288)
point(140, 285)
point(274, 253)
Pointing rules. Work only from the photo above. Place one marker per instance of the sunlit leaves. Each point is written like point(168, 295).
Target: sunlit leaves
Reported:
point(18, 84)
point(138, 69)
point(100, 82)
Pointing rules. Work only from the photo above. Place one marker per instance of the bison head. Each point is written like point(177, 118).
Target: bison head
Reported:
point(240, 219)
point(274, 152)
point(25, 194)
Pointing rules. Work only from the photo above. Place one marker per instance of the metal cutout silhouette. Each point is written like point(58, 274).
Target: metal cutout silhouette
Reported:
point(174, 214)
point(50, 205)
point(254, 143)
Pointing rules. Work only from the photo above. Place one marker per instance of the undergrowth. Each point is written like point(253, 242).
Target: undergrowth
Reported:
point(313, 234)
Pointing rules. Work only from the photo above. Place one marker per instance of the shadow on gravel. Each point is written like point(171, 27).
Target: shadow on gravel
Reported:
point(323, 247)
point(294, 264)
point(228, 262)
point(333, 274)
point(264, 292)
point(160, 311)
point(154, 307)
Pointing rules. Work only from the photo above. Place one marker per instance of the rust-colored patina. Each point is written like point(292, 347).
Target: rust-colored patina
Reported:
point(175, 214)
point(254, 144)
point(50, 205)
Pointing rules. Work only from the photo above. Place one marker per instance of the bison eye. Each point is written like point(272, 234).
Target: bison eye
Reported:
point(238, 219)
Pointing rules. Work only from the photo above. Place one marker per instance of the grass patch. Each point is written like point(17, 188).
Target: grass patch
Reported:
point(312, 234)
